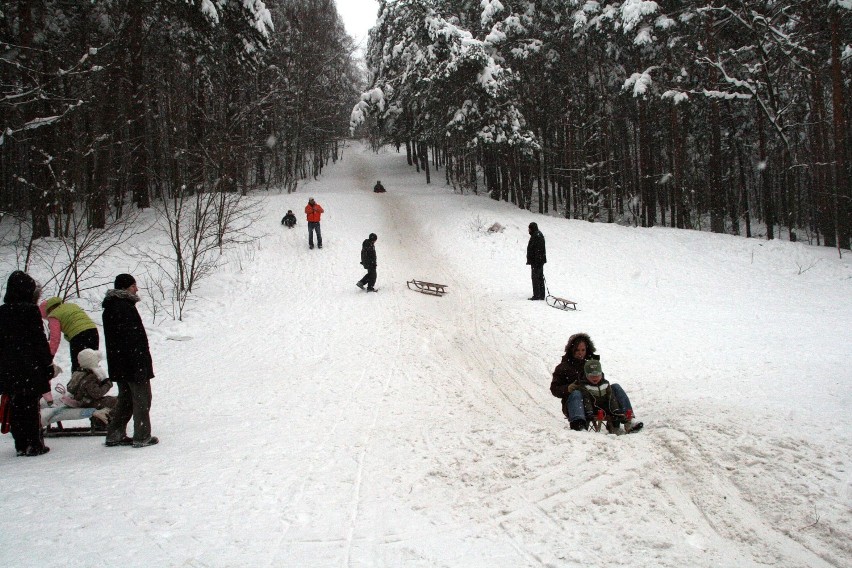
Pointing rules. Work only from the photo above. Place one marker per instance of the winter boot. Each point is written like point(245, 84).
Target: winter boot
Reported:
point(579, 424)
point(360, 284)
point(612, 427)
point(631, 427)
point(125, 441)
point(149, 442)
point(37, 450)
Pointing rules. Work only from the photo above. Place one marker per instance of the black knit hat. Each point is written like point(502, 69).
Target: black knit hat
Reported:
point(124, 281)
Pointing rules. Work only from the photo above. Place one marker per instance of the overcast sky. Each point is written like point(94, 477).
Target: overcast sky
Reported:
point(358, 17)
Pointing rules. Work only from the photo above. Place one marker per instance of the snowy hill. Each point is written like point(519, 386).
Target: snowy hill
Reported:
point(304, 422)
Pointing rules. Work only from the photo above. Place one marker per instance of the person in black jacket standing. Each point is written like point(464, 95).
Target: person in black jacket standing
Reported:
point(368, 261)
point(129, 363)
point(26, 365)
point(536, 258)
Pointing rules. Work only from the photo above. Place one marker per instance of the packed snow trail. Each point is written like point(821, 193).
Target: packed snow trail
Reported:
point(308, 423)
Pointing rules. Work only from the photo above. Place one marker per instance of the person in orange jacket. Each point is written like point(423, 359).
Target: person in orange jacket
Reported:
point(314, 210)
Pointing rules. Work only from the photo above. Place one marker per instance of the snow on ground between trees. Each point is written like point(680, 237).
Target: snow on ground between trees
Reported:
point(304, 422)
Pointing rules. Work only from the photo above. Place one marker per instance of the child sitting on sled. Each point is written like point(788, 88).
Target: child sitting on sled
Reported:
point(87, 389)
point(592, 397)
point(289, 220)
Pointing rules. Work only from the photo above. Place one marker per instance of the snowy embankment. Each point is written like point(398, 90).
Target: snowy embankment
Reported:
point(304, 422)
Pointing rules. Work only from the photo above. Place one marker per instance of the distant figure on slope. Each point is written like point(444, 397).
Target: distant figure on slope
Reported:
point(70, 319)
point(368, 261)
point(289, 220)
point(378, 188)
point(536, 258)
point(314, 210)
point(129, 363)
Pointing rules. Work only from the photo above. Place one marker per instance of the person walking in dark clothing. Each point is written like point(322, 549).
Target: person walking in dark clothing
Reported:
point(536, 258)
point(129, 363)
point(26, 365)
point(289, 220)
point(368, 261)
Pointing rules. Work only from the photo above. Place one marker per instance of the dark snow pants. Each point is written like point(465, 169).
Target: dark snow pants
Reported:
point(134, 401)
point(26, 421)
point(314, 226)
point(370, 278)
point(87, 339)
point(537, 281)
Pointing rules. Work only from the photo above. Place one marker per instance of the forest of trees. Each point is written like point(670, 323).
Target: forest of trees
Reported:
point(727, 116)
point(114, 105)
point(112, 108)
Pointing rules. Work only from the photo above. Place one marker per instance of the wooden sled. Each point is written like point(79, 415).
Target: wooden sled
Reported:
point(427, 287)
point(560, 303)
point(52, 417)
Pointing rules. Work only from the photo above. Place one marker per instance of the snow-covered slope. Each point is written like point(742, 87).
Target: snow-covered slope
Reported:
point(304, 422)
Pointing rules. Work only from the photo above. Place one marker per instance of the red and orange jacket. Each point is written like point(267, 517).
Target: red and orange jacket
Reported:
point(314, 211)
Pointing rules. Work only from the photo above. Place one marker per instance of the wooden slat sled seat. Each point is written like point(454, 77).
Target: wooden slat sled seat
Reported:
point(561, 303)
point(430, 288)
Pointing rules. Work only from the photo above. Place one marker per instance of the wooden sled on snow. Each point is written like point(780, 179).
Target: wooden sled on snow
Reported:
point(430, 288)
point(52, 417)
point(560, 303)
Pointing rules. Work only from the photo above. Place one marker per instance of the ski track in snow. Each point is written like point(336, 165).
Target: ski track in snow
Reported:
point(308, 423)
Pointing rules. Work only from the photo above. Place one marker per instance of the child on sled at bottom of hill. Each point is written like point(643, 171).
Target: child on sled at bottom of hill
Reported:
point(594, 398)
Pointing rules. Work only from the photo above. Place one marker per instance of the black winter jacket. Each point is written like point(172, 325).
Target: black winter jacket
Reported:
point(368, 254)
point(26, 365)
point(571, 370)
point(536, 254)
point(128, 355)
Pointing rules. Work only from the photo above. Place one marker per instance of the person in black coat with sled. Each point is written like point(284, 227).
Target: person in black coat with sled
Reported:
point(536, 258)
point(129, 363)
point(368, 261)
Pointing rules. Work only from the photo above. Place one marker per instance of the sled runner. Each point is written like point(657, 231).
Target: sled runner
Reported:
point(602, 421)
point(427, 287)
point(560, 303)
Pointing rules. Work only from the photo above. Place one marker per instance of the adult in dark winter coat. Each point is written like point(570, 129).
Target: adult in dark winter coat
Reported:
point(26, 365)
point(368, 261)
point(578, 350)
point(536, 258)
point(570, 375)
point(129, 363)
point(379, 188)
